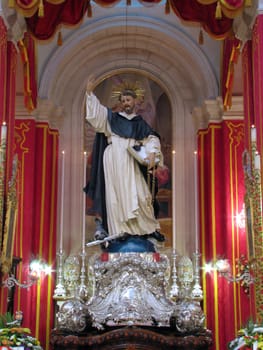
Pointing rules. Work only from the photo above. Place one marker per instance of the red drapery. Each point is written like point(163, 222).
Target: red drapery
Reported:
point(37, 148)
point(222, 192)
point(43, 17)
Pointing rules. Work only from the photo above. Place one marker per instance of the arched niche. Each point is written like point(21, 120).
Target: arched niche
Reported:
point(155, 108)
point(154, 49)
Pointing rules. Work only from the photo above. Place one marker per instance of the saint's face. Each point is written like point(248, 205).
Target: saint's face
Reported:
point(128, 104)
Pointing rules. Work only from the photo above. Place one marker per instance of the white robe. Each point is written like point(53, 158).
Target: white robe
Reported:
point(128, 198)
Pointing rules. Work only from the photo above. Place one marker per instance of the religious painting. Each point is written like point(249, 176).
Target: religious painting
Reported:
point(155, 108)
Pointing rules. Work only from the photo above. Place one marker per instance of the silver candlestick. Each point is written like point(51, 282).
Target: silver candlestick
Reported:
point(197, 293)
point(174, 291)
point(60, 290)
point(83, 290)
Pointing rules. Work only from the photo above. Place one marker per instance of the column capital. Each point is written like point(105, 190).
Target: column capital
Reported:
point(237, 109)
point(46, 111)
point(212, 111)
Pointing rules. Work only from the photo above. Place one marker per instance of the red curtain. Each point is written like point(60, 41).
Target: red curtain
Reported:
point(43, 20)
point(37, 148)
point(68, 12)
point(192, 10)
point(222, 194)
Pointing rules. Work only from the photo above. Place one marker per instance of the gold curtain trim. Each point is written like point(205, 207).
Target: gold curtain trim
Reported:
point(30, 9)
point(228, 10)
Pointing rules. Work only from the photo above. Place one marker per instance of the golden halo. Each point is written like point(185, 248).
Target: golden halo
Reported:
point(127, 85)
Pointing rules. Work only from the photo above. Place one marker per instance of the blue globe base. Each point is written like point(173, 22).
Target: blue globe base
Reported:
point(131, 245)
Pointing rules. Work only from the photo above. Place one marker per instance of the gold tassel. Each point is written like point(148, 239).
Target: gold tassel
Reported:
point(11, 3)
point(60, 40)
point(89, 11)
point(248, 3)
point(201, 37)
point(128, 2)
point(41, 9)
point(218, 11)
point(167, 7)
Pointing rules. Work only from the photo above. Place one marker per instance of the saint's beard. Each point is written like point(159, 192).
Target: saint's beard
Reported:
point(128, 110)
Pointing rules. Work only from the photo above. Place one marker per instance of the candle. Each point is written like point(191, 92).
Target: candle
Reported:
point(196, 202)
point(3, 134)
point(173, 201)
point(257, 161)
point(62, 201)
point(84, 204)
point(253, 134)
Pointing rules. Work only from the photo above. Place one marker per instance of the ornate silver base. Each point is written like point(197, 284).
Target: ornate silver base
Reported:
point(130, 289)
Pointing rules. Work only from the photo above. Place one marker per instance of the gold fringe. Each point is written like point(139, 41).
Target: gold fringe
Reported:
point(201, 37)
point(41, 9)
point(89, 11)
point(218, 10)
point(167, 7)
point(248, 3)
point(11, 3)
point(59, 40)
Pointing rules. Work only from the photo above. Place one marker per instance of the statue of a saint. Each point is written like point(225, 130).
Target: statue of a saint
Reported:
point(123, 190)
